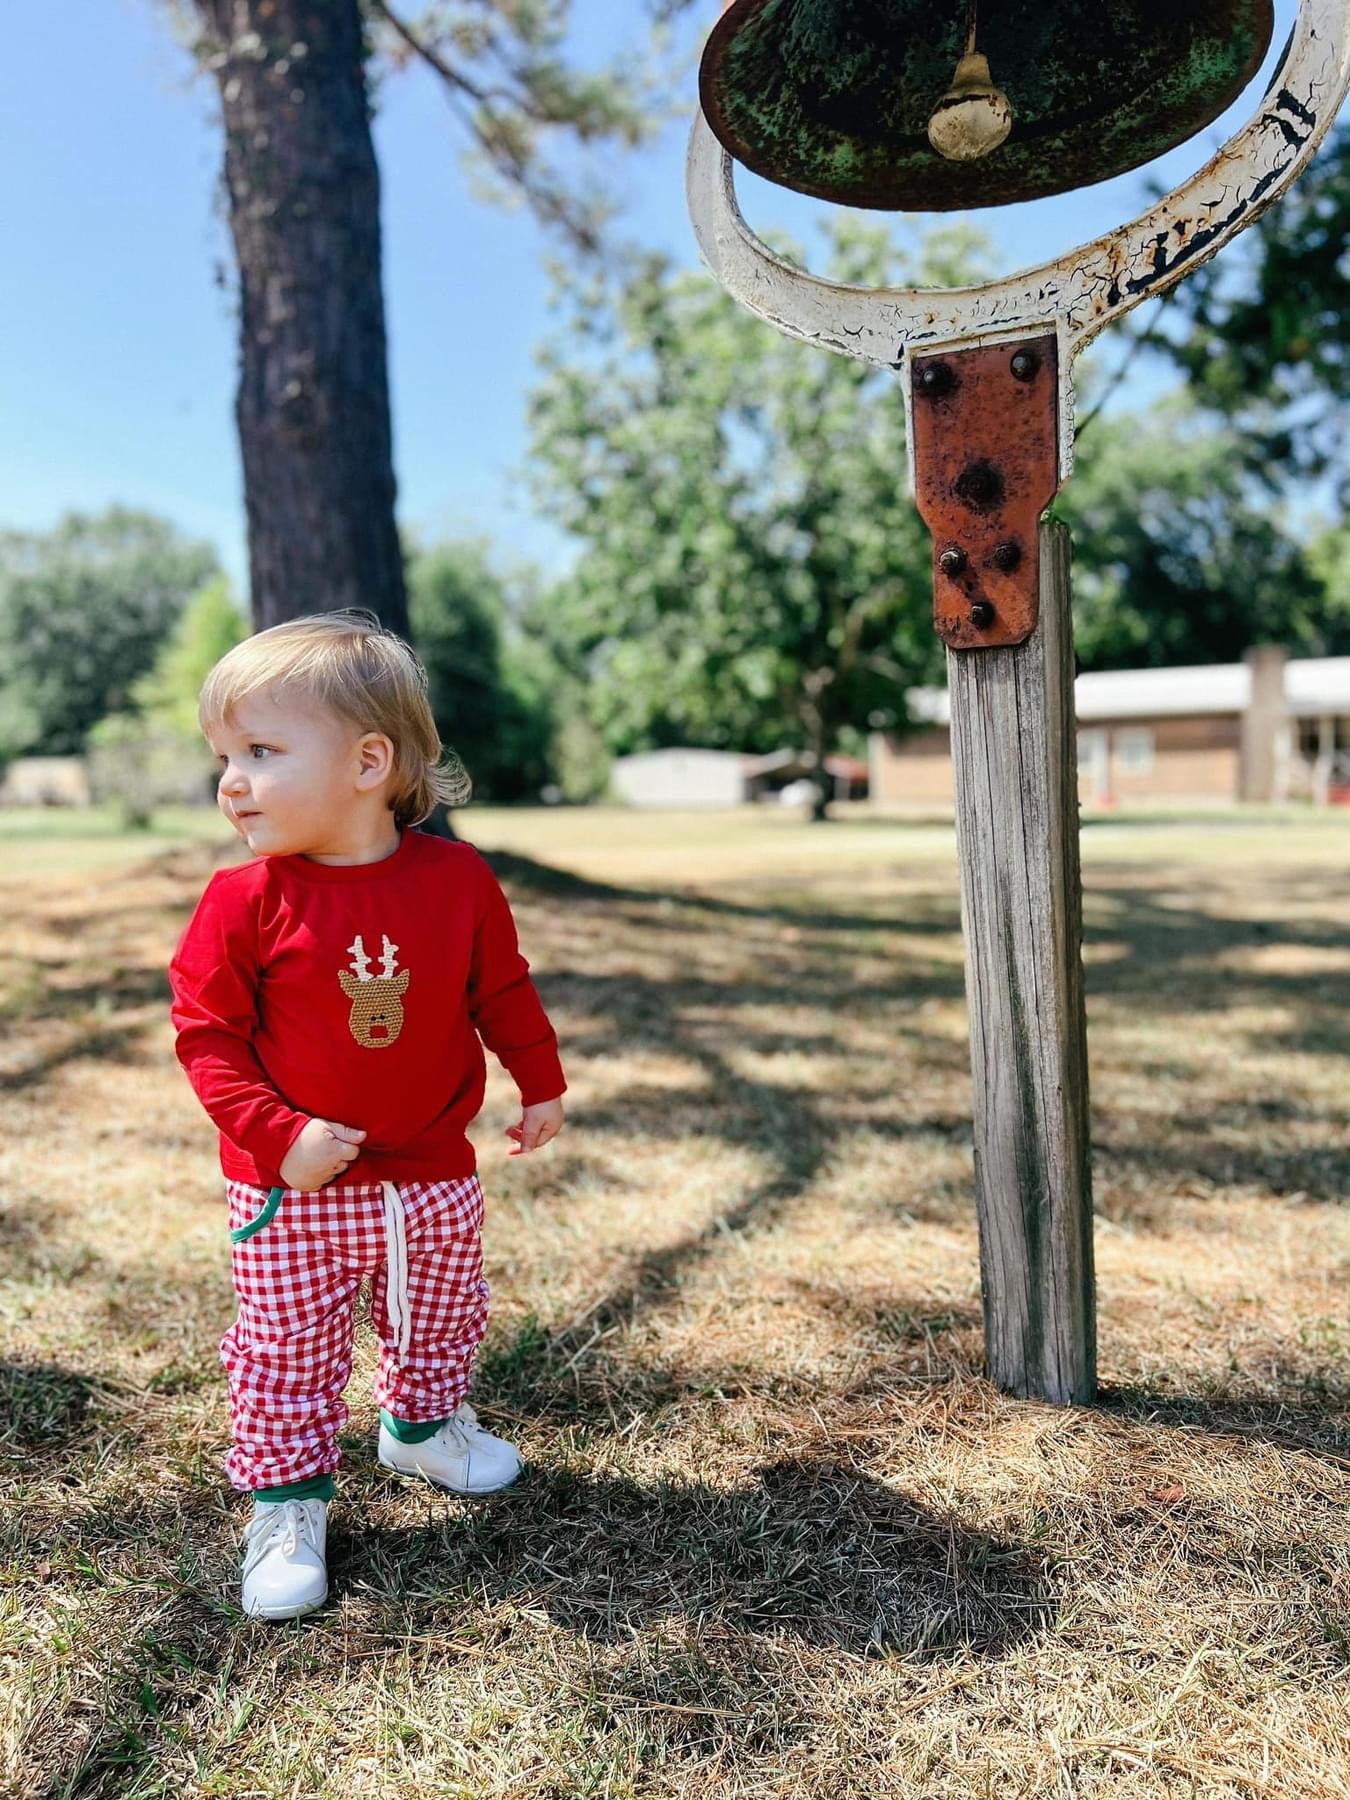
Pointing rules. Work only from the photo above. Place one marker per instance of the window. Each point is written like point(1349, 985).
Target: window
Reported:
point(1134, 752)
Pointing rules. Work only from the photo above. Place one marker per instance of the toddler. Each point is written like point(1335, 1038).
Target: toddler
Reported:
point(329, 998)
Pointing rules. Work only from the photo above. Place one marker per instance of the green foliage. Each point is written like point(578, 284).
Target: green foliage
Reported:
point(1176, 558)
point(580, 760)
point(154, 752)
point(211, 625)
point(20, 723)
point(135, 765)
point(84, 608)
point(1329, 556)
point(530, 112)
point(511, 74)
point(1267, 337)
point(752, 568)
point(489, 689)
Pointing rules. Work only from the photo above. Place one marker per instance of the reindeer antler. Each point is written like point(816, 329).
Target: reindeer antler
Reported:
point(387, 956)
point(360, 961)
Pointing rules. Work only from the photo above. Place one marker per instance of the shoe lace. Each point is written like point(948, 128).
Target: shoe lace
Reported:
point(293, 1523)
point(460, 1426)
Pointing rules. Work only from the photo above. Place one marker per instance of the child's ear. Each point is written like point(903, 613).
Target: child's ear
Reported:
point(377, 758)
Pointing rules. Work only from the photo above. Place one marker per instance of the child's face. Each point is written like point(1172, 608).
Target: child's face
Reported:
point(293, 776)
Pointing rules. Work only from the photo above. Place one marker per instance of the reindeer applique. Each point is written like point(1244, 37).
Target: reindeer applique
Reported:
point(377, 1007)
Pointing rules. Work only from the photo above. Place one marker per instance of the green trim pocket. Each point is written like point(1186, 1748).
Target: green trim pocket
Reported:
point(265, 1217)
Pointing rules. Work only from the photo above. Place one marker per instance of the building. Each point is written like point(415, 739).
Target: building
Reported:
point(1266, 729)
point(782, 773)
point(681, 778)
point(46, 781)
point(729, 778)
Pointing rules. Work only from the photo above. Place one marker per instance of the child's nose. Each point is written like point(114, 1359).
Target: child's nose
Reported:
point(233, 782)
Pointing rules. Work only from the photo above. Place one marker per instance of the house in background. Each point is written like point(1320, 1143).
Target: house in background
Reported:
point(781, 774)
point(729, 778)
point(1268, 729)
point(46, 781)
point(681, 778)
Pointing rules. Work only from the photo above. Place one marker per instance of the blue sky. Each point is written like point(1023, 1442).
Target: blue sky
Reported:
point(118, 359)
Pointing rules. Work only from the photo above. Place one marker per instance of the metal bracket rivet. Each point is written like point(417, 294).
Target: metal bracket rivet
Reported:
point(979, 484)
point(936, 379)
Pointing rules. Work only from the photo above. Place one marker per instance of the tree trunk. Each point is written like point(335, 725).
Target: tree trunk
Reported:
point(820, 804)
point(819, 730)
point(313, 400)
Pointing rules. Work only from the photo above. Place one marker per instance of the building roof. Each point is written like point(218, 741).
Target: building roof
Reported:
point(779, 761)
point(680, 757)
point(1313, 685)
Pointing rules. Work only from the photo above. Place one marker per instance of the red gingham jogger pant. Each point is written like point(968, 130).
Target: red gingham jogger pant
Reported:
point(288, 1355)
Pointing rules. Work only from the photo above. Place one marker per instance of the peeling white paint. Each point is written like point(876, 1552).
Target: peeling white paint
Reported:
point(1081, 292)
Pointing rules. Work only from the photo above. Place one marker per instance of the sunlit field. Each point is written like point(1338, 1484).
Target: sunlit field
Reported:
point(777, 1536)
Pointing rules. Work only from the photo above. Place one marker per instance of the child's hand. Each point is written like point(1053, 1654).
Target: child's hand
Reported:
point(538, 1124)
point(321, 1151)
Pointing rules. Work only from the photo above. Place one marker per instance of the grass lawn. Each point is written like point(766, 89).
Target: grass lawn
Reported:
point(777, 1536)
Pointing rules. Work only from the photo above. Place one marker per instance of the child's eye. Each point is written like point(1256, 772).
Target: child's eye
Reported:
point(265, 748)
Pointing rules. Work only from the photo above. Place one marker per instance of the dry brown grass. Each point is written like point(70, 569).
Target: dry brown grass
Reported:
point(778, 1537)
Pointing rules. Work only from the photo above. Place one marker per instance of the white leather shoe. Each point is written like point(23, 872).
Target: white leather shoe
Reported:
point(461, 1457)
point(285, 1558)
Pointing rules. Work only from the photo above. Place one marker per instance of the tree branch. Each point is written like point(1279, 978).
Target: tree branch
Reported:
point(493, 137)
point(1138, 342)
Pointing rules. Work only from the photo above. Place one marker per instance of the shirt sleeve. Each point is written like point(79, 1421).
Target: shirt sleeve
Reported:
point(214, 976)
point(504, 1006)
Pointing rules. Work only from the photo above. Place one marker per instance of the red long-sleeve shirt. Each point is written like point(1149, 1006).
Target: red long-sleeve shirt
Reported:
point(357, 993)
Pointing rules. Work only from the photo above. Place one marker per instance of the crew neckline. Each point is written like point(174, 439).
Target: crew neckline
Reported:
point(335, 873)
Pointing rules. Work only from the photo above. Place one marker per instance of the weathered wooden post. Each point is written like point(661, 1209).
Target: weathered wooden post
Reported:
point(858, 104)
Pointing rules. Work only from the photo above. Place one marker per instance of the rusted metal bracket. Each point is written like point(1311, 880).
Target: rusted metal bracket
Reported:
point(986, 466)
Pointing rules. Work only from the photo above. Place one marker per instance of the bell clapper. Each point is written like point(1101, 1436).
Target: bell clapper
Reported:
point(973, 117)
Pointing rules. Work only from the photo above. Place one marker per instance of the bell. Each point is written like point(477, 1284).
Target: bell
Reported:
point(835, 98)
point(973, 117)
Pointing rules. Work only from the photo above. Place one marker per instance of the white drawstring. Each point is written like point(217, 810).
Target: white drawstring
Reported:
point(396, 1267)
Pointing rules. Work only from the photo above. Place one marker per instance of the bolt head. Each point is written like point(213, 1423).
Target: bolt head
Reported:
point(981, 615)
point(1006, 557)
point(952, 561)
point(979, 484)
point(1025, 365)
point(935, 379)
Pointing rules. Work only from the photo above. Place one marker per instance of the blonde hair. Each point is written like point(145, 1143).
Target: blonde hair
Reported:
point(349, 663)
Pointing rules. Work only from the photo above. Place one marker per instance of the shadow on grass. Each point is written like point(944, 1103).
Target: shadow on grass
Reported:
point(566, 1376)
point(1320, 1173)
point(666, 909)
point(121, 1043)
point(807, 1553)
point(115, 990)
point(1322, 1429)
point(805, 1550)
point(42, 1407)
point(1170, 970)
point(809, 1550)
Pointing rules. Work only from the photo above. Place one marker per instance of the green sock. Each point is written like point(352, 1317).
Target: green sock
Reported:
point(406, 1433)
point(316, 1487)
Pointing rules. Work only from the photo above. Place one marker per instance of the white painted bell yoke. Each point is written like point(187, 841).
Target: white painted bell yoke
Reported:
point(1078, 294)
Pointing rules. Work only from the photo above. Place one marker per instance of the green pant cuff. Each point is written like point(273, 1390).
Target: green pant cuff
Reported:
point(406, 1433)
point(317, 1487)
